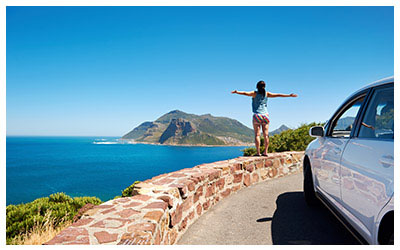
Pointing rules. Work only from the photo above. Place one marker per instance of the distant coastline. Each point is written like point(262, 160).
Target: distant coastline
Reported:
point(131, 141)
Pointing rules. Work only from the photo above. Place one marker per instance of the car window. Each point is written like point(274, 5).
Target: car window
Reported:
point(343, 124)
point(378, 121)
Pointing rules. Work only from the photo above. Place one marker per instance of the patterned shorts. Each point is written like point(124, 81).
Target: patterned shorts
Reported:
point(261, 118)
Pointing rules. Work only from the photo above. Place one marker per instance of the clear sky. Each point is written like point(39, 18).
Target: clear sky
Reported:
point(104, 70)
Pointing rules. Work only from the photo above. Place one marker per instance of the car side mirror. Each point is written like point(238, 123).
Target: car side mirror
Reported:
point(316, 131)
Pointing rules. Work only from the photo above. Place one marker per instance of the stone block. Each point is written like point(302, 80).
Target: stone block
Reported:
point(141, 197)
point(113, 223)
point(173, 234)
point(272, 172)
point(183, 190)
point(67, 235)
point(163, 181)
point(108, 211)
point(206, 205)
point(167, 199)
point(210, 190)
point(82, 222)
point(177, 175)
point(221, 183)
point(199, 209)
point(125, 213)
point(226, 192)
point(236, 188)
point(235, 167)
point(105, 237)
point(237, 178)
point(199, 177)
point(154, 215)
point(157, 239)
point(229, 179)
point(254, 178)
point(176, 216)
point(132, 204)
point(136, 238)
point(187, 204)
point(213, 174)
point(197, 194)
point(264, 173)
point(174, 192)
point(246, 180)
point(145, 226)
point(157, 205)
point(259, 164)
point(183, 224)
point(250, 168)
point(276, 163)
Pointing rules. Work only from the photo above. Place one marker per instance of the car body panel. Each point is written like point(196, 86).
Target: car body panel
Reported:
point(355, 175)
point(327, 170)
point(367, 179)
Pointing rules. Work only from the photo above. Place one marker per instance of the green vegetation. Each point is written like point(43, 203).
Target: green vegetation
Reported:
point(200, 138)
point(58, 208)
point(209, 127)
point(129, 191)
point(289, 140)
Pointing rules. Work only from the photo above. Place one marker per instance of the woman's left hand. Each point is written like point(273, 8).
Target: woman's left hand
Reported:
point(293, 95)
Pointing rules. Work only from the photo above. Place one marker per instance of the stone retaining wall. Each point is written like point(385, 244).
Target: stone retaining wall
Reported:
point(163, 207)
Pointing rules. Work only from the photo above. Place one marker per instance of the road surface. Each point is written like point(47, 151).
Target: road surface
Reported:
point(269, 212)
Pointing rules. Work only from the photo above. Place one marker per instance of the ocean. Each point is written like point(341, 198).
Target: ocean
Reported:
point(93, 166)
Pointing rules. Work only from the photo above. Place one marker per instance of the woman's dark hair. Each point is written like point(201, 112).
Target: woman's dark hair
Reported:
point(261, 88)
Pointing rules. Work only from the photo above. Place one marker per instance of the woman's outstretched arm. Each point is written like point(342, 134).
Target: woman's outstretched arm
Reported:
point(280, 95)
point(248, 93)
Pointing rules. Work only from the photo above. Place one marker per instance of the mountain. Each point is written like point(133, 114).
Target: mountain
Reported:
point(177, 127)
point(278, 130)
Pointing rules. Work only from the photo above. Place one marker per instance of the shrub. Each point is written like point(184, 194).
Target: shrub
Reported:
point(288, 140)
point(57, 208)
point(129, 191)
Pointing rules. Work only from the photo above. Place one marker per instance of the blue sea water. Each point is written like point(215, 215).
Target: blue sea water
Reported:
point(93, 166)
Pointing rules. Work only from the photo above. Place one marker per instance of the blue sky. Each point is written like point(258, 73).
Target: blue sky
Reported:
point(104, 70)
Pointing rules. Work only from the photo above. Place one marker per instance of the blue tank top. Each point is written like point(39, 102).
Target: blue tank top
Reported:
point(259, 104)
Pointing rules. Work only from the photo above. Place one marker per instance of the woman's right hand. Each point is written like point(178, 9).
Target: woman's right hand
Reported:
point(234, 92)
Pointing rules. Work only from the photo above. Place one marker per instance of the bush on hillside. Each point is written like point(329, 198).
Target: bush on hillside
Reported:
point(289, 140)
point(58, 208)
point(129, 191)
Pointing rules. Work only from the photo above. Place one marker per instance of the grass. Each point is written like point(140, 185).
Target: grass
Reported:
point(38, 221)
point(40, 233)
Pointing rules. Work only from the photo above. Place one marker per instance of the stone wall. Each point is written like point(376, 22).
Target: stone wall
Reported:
point(166, 205)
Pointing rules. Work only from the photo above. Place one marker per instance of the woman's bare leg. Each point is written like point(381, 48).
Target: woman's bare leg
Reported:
point(257, 134)
point(266, 138)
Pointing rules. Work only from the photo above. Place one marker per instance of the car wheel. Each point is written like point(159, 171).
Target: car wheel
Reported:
point(308, 186)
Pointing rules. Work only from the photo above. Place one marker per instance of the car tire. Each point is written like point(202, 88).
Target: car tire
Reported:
point(391, 240)
point(308, 187)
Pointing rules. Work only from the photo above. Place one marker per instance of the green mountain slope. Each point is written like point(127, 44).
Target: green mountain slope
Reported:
point(177, 127)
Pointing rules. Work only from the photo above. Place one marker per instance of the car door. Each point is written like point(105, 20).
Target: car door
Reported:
point(327, 171)
point(367, 163)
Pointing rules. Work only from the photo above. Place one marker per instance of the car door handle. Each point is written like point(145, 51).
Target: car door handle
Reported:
point(386, 161)
point(335, 179)
point(337, 151)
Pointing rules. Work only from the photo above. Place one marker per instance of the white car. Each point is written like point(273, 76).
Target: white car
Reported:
point(349, 166)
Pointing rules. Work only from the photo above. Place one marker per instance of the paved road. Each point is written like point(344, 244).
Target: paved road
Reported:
point(270, 212)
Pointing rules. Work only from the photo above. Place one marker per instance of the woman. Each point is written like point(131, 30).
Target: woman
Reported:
point(260, 112)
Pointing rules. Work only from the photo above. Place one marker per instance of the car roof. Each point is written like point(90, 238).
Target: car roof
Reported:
point(378, 83)
point(371, 85)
